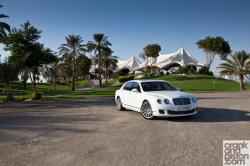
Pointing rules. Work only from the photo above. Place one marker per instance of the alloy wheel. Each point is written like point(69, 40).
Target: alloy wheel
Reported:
point(146, 110)
point(119, 104)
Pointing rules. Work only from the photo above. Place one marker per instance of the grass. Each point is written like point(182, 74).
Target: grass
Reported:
point(201, 83)
point(190, 83)
point(62, 91)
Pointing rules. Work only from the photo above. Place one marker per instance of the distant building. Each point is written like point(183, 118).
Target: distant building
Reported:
point(131, 64)
point(181, 57)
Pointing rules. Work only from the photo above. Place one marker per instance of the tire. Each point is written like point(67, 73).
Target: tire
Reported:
point(146, 110)
point(119, 104)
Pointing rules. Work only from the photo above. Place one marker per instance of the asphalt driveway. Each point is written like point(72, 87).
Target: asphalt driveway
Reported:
point(92, 132)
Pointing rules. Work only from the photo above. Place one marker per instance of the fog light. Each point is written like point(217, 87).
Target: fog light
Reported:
point(161, 111)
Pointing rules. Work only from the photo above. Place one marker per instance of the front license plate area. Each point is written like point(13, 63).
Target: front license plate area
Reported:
point(184, 108)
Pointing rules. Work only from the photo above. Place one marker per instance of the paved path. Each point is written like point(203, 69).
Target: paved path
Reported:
point(92, 132)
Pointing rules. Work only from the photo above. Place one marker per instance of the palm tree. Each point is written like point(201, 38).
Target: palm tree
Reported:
point(238, 64)
point(109, 62)
point(100, 42)
point(74, 48)
point(4, 27)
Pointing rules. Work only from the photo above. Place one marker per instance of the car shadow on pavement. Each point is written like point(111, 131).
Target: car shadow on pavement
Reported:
point(214, 115)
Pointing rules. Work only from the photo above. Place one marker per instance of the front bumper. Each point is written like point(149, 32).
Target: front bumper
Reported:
point(175, 111)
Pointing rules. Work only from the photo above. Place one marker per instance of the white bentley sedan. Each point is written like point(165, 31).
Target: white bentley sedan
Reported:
point(155, 98)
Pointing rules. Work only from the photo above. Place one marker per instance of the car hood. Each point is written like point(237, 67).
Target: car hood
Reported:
point(169, 94)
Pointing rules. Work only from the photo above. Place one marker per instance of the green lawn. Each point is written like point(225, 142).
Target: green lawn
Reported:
point(201, 83)
point(190, 83)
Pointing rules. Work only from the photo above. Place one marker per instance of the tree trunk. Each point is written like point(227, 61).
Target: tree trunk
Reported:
point(24, 84)
point(34, 80)
point(31, 75)
point(54, 83)
point(99, 67)
point(9, 96)
point(25, 78)
point(209, 59)
point(106, 74)
point(68, 75)
point(73, 75)
point(242, 86)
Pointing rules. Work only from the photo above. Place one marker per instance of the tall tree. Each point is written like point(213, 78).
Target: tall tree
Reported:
point(37, 58)
point(214, 46)
point(99, 43)
point(238, 64)
point(74, 48)
point(109, 62)
point(151, 51)
point(8, 74)
point(21, 42)
point(4, 27)
point(26, 51)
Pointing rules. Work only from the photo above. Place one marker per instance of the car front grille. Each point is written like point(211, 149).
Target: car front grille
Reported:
point(181, 101)
point(180, 112)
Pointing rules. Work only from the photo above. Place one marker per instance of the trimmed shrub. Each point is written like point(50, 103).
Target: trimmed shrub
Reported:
point(123, 79)
point(186, 70)
point(205, 70)
point(123, 72)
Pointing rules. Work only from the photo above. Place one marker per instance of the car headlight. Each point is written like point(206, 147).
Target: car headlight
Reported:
point(194, 100)
point(159, 101)
point(166, 101)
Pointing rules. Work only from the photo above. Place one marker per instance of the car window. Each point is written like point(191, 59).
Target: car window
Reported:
point(157, 86)
point(128, 86)
point(136, 86)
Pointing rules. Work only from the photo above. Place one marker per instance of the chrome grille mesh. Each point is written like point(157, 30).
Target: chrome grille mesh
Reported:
point(182, 101)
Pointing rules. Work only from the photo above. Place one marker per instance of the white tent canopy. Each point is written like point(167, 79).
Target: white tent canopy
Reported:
point(181, 57)
point(131, 64)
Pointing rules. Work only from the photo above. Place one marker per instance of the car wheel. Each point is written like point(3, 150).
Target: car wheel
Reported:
point(119, 104)
point(146, 110)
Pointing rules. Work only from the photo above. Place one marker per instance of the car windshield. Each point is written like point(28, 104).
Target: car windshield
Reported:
point(157, 86)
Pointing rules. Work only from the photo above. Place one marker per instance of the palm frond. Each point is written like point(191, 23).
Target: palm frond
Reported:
point(237, 64)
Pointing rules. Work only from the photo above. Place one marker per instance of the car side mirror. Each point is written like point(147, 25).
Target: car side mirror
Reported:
point(134, 90)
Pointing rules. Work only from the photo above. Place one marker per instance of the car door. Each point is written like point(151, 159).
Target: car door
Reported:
point(136, 98)
point(126, 92)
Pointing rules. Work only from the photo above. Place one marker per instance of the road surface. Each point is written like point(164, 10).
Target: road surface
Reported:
point(92, 132)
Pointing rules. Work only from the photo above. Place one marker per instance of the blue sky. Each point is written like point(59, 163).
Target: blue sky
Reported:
point(131, 24)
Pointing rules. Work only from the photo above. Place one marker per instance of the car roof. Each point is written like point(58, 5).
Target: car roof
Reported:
point(145, 80)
